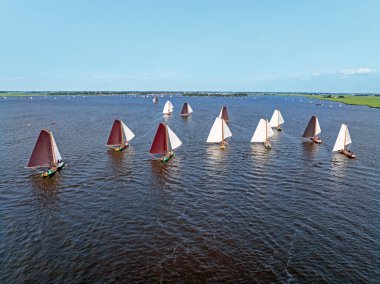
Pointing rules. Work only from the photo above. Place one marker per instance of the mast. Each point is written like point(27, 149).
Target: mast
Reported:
point(278, 118)
point(52, 148)
point(167, 137)
point(315, 126)
point(122, 135)
point(222, 130)
point(266, 130)
point(345, 135)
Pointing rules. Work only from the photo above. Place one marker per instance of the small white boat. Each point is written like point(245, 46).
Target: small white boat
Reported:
point(219, 133)
point(262, 133)
point(342, 141)
point(277, 120)
point(168, 108)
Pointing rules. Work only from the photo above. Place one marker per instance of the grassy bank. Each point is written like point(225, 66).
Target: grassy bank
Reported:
point(371, 101)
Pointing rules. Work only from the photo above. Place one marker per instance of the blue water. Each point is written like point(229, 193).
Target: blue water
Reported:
point(296, 213)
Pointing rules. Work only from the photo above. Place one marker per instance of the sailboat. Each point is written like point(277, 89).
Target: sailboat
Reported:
point(277, 120)
point(155, 100)
point(223, 114)
point(312, 130)
point(342, 141)
point(219, 133)
point(186, 110)
point(46, 155)
point(120, 136)
point(262, 133)
point(164, 143)
point(168, 108)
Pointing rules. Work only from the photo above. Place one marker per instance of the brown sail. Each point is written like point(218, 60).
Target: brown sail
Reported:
point(42, 155)
point(116, 136)
point(310, 130)
point(185, 109)
point(160, 141)
point(223, 114)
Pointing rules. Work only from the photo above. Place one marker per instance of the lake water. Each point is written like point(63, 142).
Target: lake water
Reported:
point(296, 213)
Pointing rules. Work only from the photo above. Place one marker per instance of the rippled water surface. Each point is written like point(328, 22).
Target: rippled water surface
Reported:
point(296, 213)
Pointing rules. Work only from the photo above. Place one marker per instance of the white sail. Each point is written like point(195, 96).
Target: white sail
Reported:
point(127, 132)
point(174, 140)
point(220, 113)
point(168, 108)
point(171, 107)
point(57, 155)
point(189, 108)
point(218, 130)
point(263, 131)
point(276, 119)
point(348, 137)
point(270, 132)
point(343, 138)
point(339, 143)
point(317, 127)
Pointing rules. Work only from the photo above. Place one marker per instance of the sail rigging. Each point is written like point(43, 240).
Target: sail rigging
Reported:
point(219, 131)
point(263, 131)
point(313, 128)
point(276, 119)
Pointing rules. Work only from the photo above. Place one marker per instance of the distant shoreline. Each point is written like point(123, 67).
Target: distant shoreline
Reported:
point(370, 100)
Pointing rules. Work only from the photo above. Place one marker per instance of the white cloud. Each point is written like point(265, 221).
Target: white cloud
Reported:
point(356, 71)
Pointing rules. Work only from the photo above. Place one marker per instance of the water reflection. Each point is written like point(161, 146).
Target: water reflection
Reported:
point(161, 171)
point(339, 164)
point(46, 189)
point(121, 162)
point(310, 150)
point(260, 154)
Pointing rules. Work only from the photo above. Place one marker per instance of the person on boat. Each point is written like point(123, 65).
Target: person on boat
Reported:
point(168, 155)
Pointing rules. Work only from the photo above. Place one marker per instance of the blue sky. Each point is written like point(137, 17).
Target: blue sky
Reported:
point(267, 45)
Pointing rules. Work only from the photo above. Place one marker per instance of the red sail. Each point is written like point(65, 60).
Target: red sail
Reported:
point(310, 128)
point(116, 135)
point(185, 109)
point(225, 114)
point(160, 143)
point(42, 155)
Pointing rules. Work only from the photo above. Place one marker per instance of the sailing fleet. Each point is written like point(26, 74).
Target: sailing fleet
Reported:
point(46, 155)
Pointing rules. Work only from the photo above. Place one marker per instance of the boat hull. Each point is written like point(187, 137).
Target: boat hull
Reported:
point(167, 157)
point(223, 145)
point(316, 140)
point(121, 148)
point(267, 145)
point(279, 128)
point(51, 171)
point(348, 153)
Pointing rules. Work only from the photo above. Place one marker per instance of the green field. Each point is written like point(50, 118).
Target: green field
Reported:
point(371, 101)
